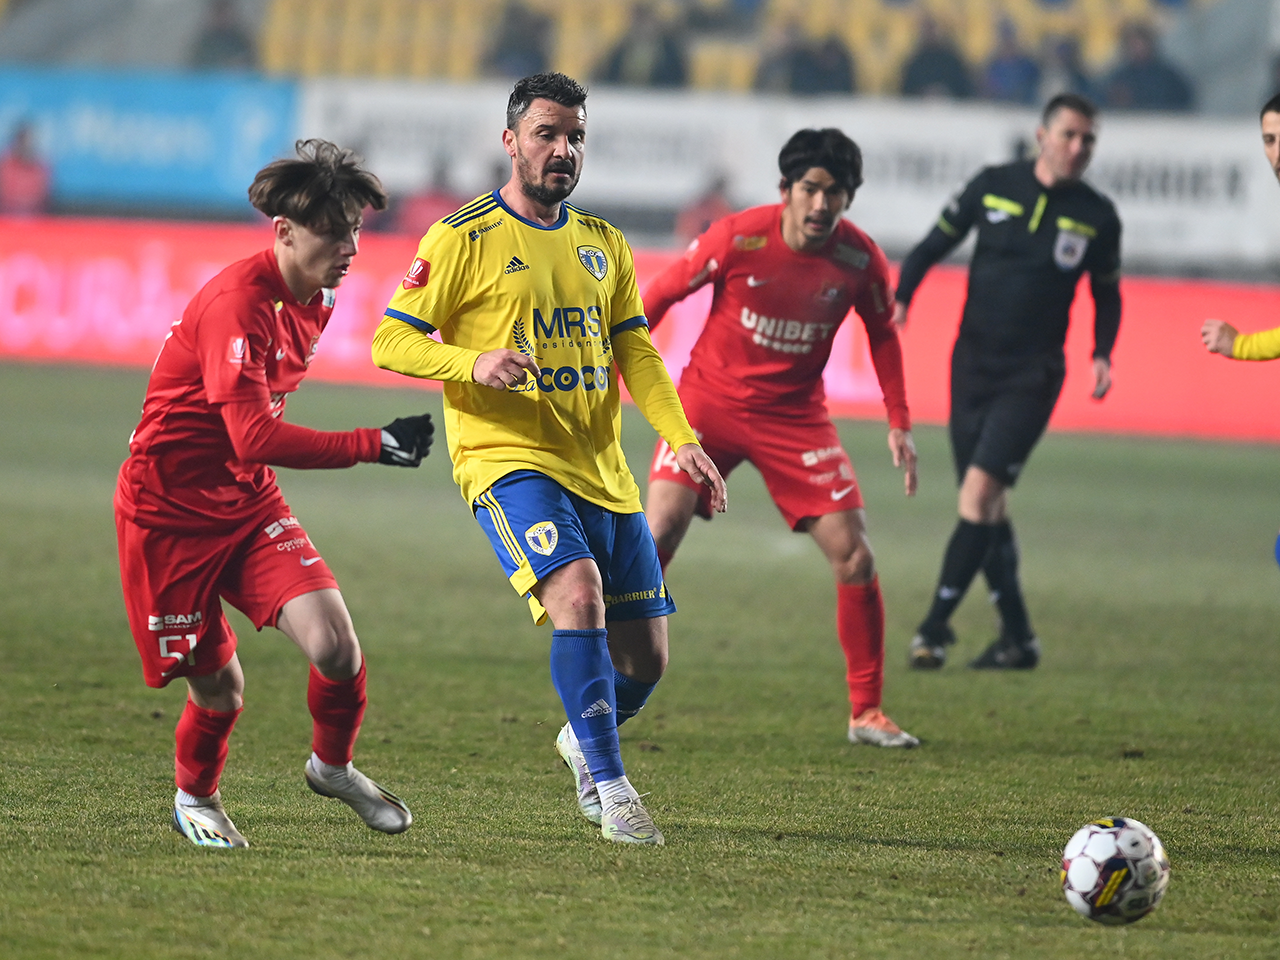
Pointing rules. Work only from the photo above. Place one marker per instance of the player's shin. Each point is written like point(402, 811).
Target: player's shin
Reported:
point(1001, 571)
point(860, 627)
point(630, 695)
point(201, 749)
point(966, 550)
point(583, 676)
point(337, 710)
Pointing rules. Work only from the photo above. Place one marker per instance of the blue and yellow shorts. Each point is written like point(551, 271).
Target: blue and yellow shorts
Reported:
point(537, 526)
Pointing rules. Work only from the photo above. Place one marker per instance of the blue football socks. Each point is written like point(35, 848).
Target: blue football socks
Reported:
point(631, 695)
point(584, 678)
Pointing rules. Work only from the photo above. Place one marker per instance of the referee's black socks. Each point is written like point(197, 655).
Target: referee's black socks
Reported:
point(966, 551)
point(1001, 570)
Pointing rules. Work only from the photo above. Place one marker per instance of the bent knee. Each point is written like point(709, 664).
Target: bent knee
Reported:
point(334, 650)
point(857, 569)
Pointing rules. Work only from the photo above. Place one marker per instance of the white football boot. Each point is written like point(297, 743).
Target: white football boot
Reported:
point(379, 808)
point(588, 795)
point(629, 822)
point(206, 824)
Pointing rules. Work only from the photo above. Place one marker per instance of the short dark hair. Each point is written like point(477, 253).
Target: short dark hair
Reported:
point(829, 149)
point(1068, 101)
point(325, 189)
point(555, 87)
point(1271, 106)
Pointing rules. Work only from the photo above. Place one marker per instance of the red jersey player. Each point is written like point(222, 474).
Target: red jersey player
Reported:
point(198, 513)
point(784, 277)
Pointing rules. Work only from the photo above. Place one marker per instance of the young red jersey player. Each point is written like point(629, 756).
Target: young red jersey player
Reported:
point(199, 516)
point(784, 278)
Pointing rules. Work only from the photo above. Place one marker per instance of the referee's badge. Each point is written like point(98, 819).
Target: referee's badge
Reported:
point(594, 260)
point(1069, 249)
point(542, 537)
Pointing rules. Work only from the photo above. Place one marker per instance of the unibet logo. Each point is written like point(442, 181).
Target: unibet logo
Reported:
point(542, 537)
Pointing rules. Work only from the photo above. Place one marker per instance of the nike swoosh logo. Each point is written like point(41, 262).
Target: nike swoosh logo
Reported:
point(841, 494)
point(753, 282)
point(279, 354)
point(308, 561)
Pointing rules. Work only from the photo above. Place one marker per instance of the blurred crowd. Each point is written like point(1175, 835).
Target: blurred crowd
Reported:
point(652, 53)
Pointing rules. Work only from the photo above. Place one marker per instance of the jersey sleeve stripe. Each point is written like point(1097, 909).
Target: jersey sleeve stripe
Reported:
point(467, 208)
point(410, 319)
point(475, 216)
point(947, 228)
point(629, 324)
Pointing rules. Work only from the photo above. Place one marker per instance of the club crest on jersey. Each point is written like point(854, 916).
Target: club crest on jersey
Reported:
point(238, 351)
point(419, 270)
point(749, 243)
point(311, 351)
point(1069, 249)
point(542, 537)
point(594, 260)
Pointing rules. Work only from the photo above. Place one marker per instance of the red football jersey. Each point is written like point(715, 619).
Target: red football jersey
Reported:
point(211, 417)
point(775, 311)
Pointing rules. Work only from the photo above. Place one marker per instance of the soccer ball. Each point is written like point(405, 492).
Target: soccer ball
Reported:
point(1114, 870)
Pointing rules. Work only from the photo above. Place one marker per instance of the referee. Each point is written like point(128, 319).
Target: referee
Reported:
point(1039, 228)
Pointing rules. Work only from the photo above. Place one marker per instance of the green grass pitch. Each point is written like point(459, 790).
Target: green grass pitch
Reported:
point(1148, 572)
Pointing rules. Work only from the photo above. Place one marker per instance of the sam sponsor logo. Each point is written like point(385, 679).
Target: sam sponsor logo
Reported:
point(811, 458)
point(174, 621)
point(274, 530)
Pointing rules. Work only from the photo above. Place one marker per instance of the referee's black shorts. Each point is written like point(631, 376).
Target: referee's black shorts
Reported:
point(999, 408)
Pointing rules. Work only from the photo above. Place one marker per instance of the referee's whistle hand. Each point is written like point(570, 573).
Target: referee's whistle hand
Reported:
point(903, 448)
point(503, 369)
point(1101, 377)
point(693, 460)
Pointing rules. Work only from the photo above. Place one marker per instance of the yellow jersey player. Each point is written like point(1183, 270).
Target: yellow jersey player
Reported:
point(1218, 335)
point(536, 307)
point(1221, 337)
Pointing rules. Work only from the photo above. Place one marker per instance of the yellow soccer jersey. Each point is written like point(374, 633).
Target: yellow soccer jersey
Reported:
point(487, 278)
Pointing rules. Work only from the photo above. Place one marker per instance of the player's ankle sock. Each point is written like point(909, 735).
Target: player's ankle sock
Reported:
point(615, 791)
point(201, 748)
point(630, 695)
point(337, 710)
point(583, 676)
point(860, 627)
point(191, 800)
point(1001, 570)
point(966, 550)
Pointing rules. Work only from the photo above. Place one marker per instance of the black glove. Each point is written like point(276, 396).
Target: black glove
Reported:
point(406, 441)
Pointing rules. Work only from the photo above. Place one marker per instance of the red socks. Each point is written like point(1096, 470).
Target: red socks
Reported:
point(337, 707)
point(201, 749)
point(860, 626)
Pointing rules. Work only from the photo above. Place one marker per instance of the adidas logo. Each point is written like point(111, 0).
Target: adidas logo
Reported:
point(598, 709)
point(516, 265)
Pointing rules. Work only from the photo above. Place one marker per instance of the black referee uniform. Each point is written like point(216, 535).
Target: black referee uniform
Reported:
point(1007, 365)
